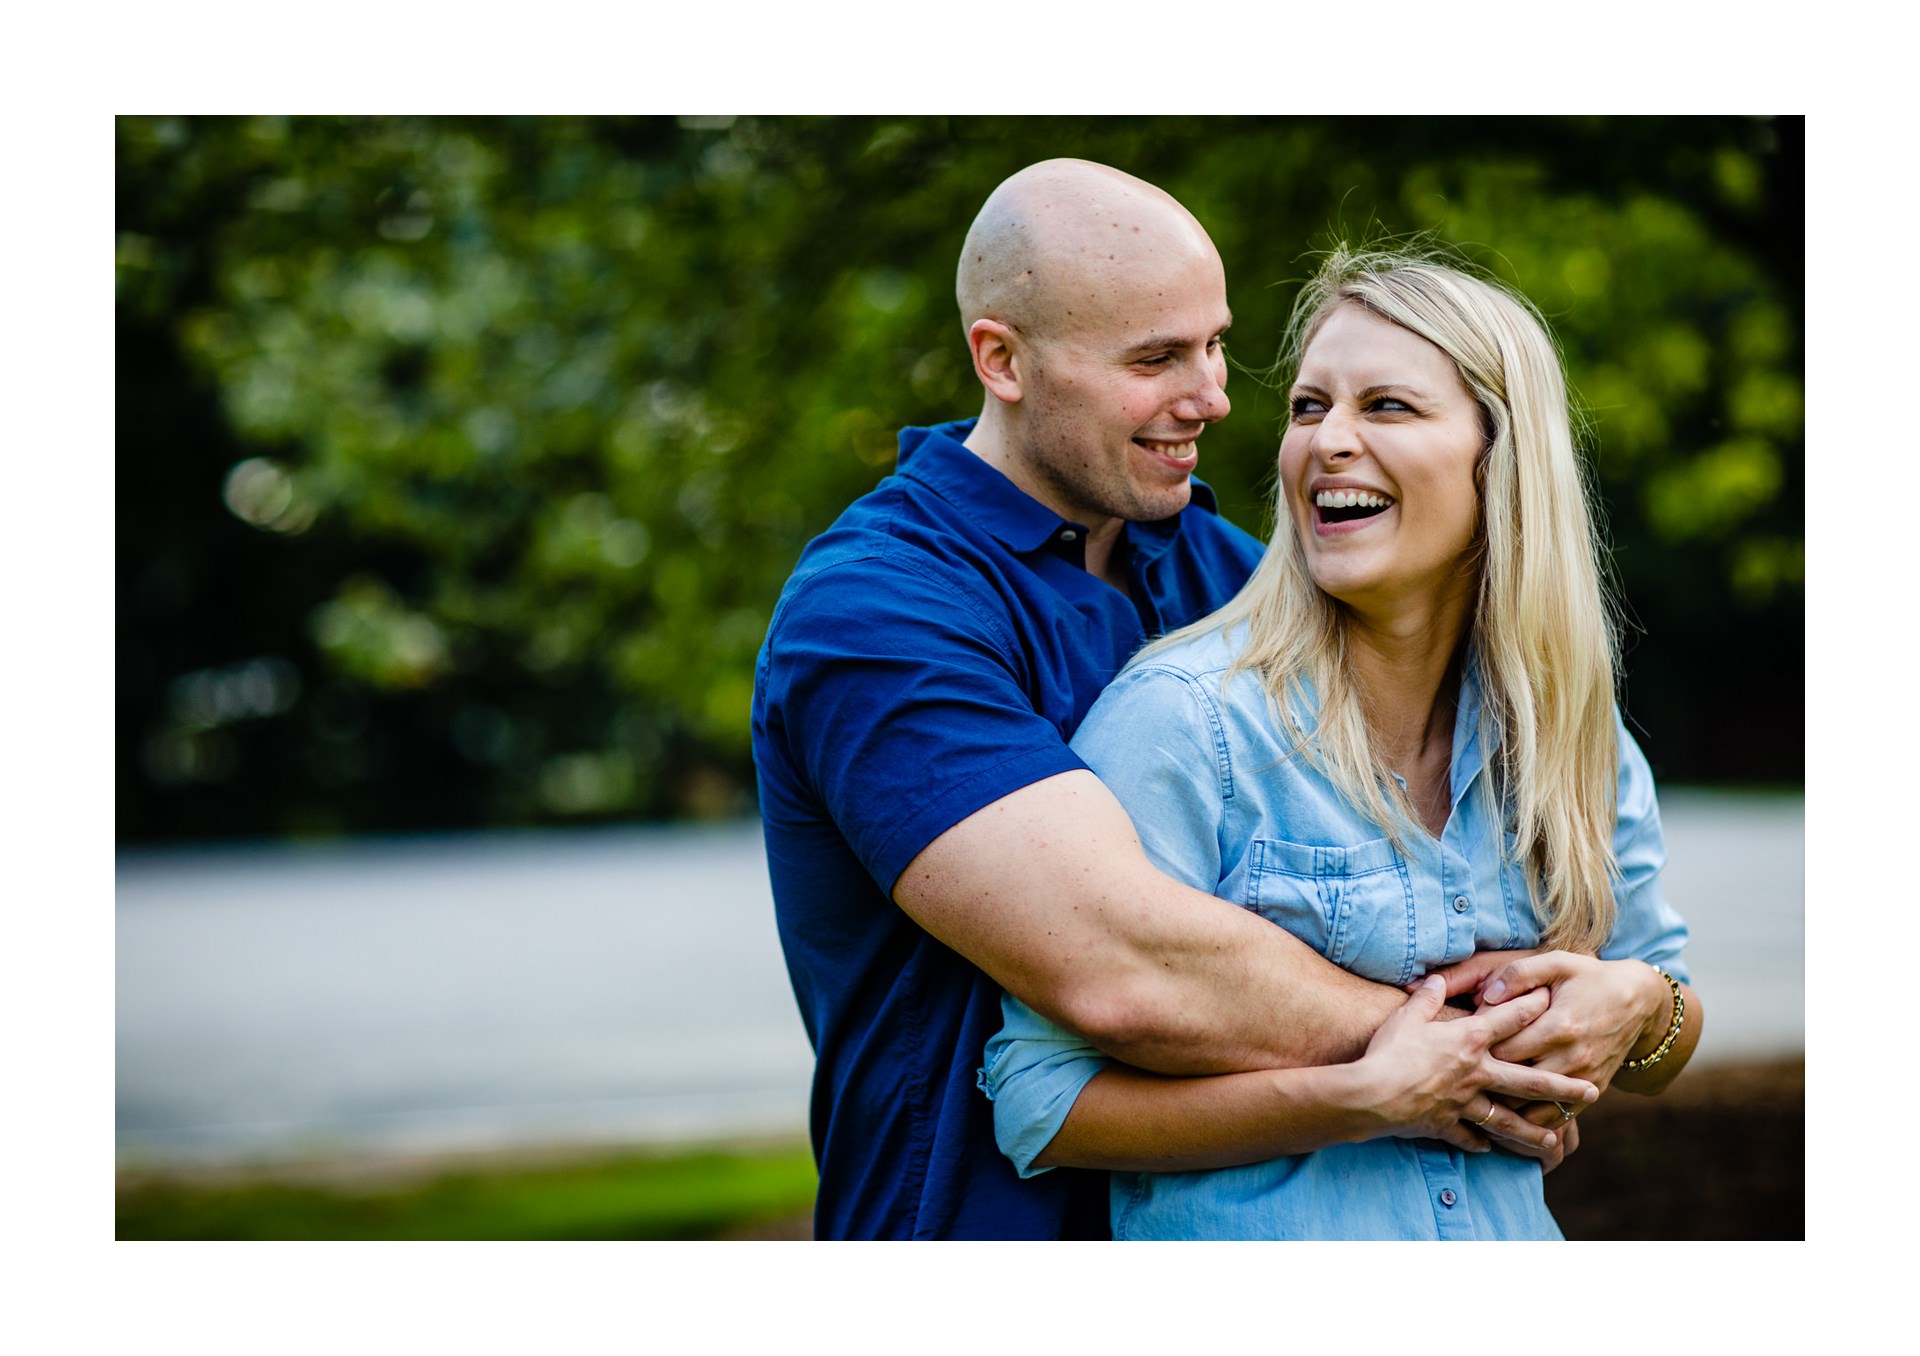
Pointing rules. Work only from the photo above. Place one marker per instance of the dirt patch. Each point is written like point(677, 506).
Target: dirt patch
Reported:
point(1722, 1154)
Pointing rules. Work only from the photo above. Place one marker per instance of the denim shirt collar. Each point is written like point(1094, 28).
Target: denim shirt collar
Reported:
point(1473, 740)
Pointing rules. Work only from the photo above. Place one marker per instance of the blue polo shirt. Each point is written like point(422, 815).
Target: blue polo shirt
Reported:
point(933, 652)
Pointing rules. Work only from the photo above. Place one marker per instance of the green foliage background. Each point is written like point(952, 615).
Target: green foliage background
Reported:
point(460, 461)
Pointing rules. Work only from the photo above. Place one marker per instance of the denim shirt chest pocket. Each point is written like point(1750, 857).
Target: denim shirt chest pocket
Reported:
point(1354, 905)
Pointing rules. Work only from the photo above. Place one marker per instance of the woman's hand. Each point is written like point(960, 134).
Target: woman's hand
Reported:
point(1602, 1012)
point(1433, 1079)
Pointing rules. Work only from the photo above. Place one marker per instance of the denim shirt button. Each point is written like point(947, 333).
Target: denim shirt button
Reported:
point(1459, 903)
point(1447, 1198)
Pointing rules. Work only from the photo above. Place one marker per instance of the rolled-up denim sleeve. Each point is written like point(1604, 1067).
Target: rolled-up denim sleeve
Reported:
point(1034, 1071)
point(1647, 927)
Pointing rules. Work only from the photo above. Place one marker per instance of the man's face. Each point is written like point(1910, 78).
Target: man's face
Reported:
point(1117, 393)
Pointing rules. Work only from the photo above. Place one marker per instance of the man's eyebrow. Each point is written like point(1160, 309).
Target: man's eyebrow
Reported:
point(1155, 343)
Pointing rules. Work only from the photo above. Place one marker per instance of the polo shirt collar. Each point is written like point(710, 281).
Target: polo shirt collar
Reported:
point(1152, 539)
point(938, 458)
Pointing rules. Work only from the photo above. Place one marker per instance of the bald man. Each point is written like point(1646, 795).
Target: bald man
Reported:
point(930, 836)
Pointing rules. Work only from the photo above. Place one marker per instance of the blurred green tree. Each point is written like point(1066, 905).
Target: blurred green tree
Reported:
point(460, 460)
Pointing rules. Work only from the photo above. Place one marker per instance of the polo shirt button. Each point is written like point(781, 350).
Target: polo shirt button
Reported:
point(1447, 1198)
point(1067, 534)
point(1459, 903)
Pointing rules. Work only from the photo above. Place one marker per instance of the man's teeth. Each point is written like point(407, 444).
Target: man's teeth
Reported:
point(1350, 499)
point(1166, 449)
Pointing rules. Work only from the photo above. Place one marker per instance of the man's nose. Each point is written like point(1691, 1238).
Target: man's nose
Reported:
point(1207, 401)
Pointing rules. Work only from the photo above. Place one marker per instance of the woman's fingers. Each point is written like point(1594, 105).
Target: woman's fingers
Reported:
point(1526, 975)
point(1518, 1132)
point(1425, 999)
point(1494, 1025)
point(1552, 1113)
point(1569, 1141)
point(1500, 1122)
point(1463, 1136)
point(1427, 996)
point(1530, 1084)
point(1467, 975)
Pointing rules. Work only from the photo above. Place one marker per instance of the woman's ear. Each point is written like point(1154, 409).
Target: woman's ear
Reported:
point(996, 359)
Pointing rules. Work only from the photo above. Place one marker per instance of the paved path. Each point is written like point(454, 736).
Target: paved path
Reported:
point(618, 985)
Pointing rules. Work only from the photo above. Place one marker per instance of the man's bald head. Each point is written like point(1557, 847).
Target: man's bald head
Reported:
point(1062, 244)
point(1095, 307)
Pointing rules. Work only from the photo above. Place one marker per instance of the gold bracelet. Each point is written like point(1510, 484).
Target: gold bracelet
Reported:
point(1679, 1014)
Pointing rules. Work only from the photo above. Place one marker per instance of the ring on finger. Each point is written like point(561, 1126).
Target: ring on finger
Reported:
point(1481, 1124)
point(1566, 1112)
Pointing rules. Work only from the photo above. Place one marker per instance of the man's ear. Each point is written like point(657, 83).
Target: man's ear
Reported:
point(997, 360)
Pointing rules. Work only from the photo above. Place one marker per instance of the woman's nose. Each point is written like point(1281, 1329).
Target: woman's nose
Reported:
point(1336, 435)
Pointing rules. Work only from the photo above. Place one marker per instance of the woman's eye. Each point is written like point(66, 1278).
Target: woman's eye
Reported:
point(1392, 406)
point(1304, 406)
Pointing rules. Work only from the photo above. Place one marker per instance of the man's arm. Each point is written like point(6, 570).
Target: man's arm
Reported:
point(1048, 891)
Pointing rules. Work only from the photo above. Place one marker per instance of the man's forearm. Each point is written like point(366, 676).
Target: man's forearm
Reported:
point(1049, 892)
point(1230, 992)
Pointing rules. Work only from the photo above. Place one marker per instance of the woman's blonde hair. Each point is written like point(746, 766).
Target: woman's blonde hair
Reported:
point(1542, 627)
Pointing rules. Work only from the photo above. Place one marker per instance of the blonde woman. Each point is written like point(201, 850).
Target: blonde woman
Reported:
point(1400, 743)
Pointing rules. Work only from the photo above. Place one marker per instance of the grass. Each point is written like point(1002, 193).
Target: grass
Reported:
point(1722, 1155)
point(706, 1194)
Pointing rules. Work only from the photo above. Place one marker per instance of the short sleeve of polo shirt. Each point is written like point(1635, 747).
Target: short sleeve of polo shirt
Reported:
point(899, 697)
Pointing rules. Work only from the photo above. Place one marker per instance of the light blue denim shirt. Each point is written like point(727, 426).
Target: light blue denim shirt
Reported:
point(1219, 805)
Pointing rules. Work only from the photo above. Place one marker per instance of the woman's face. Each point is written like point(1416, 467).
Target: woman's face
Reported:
point(1378, 467)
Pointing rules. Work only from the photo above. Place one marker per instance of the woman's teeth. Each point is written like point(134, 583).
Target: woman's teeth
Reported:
point(1350, 499)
